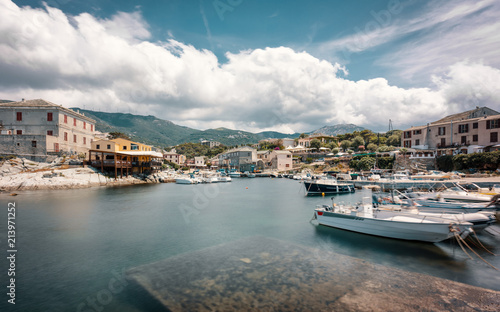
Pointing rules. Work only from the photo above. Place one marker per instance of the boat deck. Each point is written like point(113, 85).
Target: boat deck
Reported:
point(264, 274)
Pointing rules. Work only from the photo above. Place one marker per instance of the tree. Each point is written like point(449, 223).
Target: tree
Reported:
point(316, 144)
point(332, 145)
point(358, 141)
point(394, 140)
point(366, 163)
point(372, 147)
point(335, 150)
point(302, 135)
point(345, 144)
point(116, 135)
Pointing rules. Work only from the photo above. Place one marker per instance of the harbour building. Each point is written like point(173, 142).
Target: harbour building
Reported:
point(467, 132)
point(36, 129)
point(123, 157)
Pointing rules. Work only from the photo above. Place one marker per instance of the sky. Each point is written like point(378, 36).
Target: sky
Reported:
point(288, 66)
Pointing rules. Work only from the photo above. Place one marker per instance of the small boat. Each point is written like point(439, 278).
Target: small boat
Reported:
point(235, 174)
point(327, 187)
point(479, 220)
point(458, 193)
point(187, 180)
point(249, 174)
point(407, 226)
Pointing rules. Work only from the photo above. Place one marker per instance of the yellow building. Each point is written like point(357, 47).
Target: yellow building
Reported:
point(124, 155)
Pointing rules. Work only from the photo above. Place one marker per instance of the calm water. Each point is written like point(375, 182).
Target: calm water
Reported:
point(73, 244)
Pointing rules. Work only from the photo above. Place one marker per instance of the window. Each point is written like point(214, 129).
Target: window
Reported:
point(19, 131)
point(443, 142)
point(74, 138)
point(287, 165)
point(124, 147)
point(407, 134)
point(84, 140)
point(33, 143)
point(441, 130)
point(74, 122)
point(50, 132)
point(98, 146)
point(19, 116)
point(492, 124)
point(407, 143)
point(463, 128)
point(109, 146)
point(49, 116)
point(475, 125)
point(65, 118)
point(417, 142)
point(134, 147)
point(91, 127)
point(417, 131)
point(65, 136)
point(463, 140)
point(493, 137)
point(84, 125)
point(475, 138)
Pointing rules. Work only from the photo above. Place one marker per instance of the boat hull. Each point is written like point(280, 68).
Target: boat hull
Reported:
point(318, 188)
point(426, 232)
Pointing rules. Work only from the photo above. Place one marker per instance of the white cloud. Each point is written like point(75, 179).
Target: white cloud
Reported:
point(84, 61)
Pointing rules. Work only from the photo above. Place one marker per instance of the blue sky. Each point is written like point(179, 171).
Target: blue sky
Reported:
point(290, 66)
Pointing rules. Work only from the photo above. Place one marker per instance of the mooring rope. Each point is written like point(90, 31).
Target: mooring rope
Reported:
point(465, 243)
point(481, 244)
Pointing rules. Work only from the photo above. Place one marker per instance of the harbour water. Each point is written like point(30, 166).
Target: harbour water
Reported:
point(74, 245)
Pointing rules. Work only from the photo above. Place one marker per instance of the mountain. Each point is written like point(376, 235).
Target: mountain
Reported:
point(338, 129)
point(147, 129)
point(159, 132)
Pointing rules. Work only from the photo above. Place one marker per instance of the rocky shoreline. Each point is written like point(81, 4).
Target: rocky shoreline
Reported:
point(22, 175)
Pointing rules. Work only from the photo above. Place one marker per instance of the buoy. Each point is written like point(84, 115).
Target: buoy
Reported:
point(322, 194)
point(13, 194)
point(247, 187)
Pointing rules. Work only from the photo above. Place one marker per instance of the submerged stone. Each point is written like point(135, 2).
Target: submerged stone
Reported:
point(264, 274)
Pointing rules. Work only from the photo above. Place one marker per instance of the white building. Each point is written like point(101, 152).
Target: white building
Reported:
point(36, 128)
point(281, 160)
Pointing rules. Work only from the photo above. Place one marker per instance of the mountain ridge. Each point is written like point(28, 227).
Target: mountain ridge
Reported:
point(155, 131)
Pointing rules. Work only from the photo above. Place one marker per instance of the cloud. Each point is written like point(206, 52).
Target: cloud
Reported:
point(108, 65)
point(440, 34)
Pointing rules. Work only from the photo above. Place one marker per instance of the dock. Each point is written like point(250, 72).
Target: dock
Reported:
point(266, 274)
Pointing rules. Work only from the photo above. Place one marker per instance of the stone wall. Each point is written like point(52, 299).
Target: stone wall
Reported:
point(29, 146)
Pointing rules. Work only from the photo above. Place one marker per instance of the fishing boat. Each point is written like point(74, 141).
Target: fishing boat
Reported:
point(407, 226)
point(327, 187)
point(187, 180)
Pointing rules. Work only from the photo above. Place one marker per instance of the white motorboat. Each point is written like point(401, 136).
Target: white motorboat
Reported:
point(479, 220)
point(186, 180)
point(401, 225)
point(235, 174)
point(458, 193)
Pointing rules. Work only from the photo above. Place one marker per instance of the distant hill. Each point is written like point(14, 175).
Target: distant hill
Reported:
point(338, 129)
point(147, 129)
point(155, 131)
point(159, 132)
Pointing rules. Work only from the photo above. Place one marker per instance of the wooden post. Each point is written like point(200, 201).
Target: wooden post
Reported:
point(121, 173)
point(102, 162)
point(114, 160)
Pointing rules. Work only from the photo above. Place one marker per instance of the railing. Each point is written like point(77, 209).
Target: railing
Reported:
point(111, 163)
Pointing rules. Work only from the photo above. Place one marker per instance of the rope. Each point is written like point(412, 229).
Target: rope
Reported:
point(459, 237)
point(460, 244)
point(477, 238)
